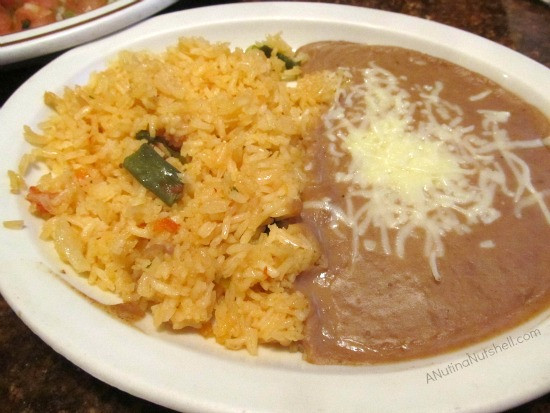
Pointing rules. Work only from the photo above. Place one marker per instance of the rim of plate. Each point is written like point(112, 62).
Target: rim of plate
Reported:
point(61, 35)
point(185, 372)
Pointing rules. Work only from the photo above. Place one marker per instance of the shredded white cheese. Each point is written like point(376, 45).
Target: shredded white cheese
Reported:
point(487, 244)
point(480, 96)
point(416, 168)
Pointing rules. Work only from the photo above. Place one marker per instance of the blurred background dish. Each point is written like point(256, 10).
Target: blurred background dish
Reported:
point(63, 34)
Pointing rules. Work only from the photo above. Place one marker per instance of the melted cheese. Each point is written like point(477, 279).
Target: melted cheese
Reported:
point(389, 156)
point(414, 169)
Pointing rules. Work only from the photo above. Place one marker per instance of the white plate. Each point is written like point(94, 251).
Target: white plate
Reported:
point(187, 373)
point(76, 30)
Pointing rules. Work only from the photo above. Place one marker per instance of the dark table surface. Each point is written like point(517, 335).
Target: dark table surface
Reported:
point(34, 378)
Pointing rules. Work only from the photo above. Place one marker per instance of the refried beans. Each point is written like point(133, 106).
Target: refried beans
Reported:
point(444, 277)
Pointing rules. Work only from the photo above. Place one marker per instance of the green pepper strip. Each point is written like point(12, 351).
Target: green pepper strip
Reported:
point(289, 63)
point(155, 174)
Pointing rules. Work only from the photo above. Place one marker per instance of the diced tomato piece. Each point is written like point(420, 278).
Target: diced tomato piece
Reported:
point(11, 4)
point(31, 15)
point(6, 21)
point(41, 201)
point(166, 224)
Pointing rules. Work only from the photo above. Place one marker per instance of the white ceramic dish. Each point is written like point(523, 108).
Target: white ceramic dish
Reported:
point(77, 30)
point(185, 372)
